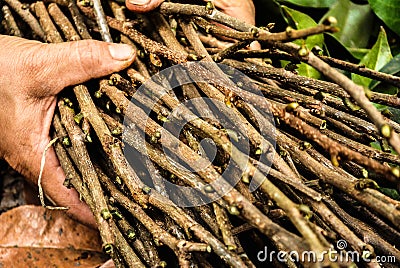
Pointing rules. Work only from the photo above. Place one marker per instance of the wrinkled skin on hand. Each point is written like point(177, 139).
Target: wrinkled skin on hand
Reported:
point(241, 9)
point(32, 73)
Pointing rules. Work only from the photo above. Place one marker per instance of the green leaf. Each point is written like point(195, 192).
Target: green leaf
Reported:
point(378, 57)
point(299, 20)
point(392, 193)
point(311, 3)
point(376, 145)
point(389, 12)
point(354, 21)
point(308, 71)
point(358, 53)
point(392, 67)
point(396, 114)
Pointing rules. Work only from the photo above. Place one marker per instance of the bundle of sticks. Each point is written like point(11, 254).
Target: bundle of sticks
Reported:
point(204, 154)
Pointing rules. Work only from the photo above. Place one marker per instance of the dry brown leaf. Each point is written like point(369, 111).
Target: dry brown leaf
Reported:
point(32, 236)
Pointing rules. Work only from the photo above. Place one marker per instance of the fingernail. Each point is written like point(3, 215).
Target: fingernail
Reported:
point(121, 52)
point(139, 2)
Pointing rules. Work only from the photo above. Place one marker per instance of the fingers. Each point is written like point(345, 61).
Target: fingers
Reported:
point(255, 46)
point(52, 183)
point(108, 264)
point(241, 9)
point(142, 6)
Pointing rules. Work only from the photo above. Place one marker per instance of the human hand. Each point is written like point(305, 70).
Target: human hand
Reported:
point(241, 9)
point(32, 73)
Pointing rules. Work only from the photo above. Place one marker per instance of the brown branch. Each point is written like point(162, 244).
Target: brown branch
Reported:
point(256, 34)
point(139, 214)
point(248, 211)
point(111, 145)
point(148, 44)
point(226, 53)
point(336, 63)
point(52, 34)
point(101, 21)
point(10, 23)
point(362, 70)
point(364, 231)
point(168, 8)
point(89, 175)
point(357, 92)
point(225, 227)
point(287, 77)
point(63, 22)
point(359, 95)
point(27, 16)
point(323, 169)
point(213, 93)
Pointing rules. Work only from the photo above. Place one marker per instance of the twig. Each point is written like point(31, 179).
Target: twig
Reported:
point(111, 145)
point(27, 16)
point(189, 90)
point(63, 22)
point(327, 215)
point(150, 225)
point(226, 53)
point(320, 109)
point(336, 63)
point(381, 227)
point(253, 134)
point(76, 16)
point(262, 35)
point(239, 158)
point(323, 169)
point(364, 231)
point(287, 77)
point(225, 226)
point(357, 92)
point(11, 25)
point(168, 8)
point(361, 70)
point(130, 257)
point(247, 209)
point(148, 243)
point(52, 34)
point(148, 44)
point(101, 21)
point(363, 149)
point(78, 20)
point(334, 148)
point(89, 175)
point(157, 200)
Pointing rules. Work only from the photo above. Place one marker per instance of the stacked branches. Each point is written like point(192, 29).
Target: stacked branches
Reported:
point(307, 180)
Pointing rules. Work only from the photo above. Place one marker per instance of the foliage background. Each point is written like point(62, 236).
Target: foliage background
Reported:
point(369, 34)
point(369, 30)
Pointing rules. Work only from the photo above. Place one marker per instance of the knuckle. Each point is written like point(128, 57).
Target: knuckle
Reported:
point(87, 56)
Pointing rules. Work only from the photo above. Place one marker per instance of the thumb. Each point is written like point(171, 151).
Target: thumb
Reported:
point(77, 62)
point(71, 63)
point(142, 6)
